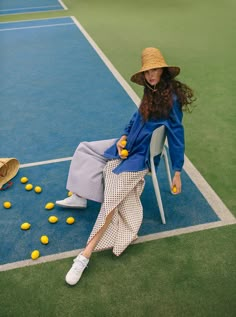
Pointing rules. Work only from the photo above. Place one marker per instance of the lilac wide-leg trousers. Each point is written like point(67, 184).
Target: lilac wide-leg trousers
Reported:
point(85, 176)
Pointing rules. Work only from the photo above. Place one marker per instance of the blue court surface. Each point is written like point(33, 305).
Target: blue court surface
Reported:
point(27, 6)
point(57, 91)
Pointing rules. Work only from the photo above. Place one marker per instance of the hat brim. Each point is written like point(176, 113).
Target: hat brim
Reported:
point(138, 77)
point(8, 169)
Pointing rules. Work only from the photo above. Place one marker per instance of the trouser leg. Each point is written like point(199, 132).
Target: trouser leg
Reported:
point(85, 176)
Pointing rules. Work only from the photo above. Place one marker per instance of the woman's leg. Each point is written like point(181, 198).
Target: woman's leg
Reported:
point(108, 224)
point(81, 261)
point(92, 243)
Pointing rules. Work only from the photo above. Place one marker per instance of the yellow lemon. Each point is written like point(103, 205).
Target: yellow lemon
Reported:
point(174, 189)
point(37, 189)
point(44, 240)
point(24, 180)
point(124, 152)
point(70, 194)
point(35, 254)
point(28, 186)
point(7, 204)
point(123, 142)
point(49, 205)
point(25, 226)
point(70, 220)
point(52, 219)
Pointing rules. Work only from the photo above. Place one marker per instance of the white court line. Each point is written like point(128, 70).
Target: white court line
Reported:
point(63, 5)
point(141, 239)
point(110, 66)
point(46, 162)
point(37, 27)
point(226, 217)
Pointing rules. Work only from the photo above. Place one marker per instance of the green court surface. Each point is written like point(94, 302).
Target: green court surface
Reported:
point(186, 275)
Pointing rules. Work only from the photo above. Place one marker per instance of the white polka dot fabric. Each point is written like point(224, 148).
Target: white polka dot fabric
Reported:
point(122, 194)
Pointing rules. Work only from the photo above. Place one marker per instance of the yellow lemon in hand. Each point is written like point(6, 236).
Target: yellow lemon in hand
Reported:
point(7, 204)
point(44, 240)
point(123, 142)
point(28, 186)
point(49, 205)
point(52, 219)
point(25, 226)
point(24, 180)
point(38, 189)
point(70, 220)
point(124, 152)
point(35, 254)
point(70, 194)
point(174, 189)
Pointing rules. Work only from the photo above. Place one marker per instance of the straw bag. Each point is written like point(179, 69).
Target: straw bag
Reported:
point(8, 169)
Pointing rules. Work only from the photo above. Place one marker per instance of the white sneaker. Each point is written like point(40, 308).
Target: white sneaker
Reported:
point(73, 201)
point(74, 274)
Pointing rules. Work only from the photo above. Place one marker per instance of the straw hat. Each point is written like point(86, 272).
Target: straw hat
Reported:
point(8, 169)
point(152, 58)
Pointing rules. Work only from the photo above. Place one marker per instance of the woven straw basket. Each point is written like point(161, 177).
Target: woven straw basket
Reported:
point(8, 169)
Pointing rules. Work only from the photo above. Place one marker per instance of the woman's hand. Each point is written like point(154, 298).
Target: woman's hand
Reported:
point(121, 144)
point(176, 183)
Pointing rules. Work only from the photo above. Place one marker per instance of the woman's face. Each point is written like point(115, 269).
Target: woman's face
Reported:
point(153, 76)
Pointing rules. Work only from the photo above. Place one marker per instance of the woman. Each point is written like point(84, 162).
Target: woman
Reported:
point(104, 172)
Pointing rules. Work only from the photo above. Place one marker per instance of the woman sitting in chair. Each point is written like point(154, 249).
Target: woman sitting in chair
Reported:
point(112, 171)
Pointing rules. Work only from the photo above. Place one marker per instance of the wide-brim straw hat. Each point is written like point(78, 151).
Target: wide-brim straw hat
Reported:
point(152, 58)
point(8, 169)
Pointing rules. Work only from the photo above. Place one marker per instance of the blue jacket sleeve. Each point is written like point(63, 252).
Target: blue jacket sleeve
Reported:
point(175, 137)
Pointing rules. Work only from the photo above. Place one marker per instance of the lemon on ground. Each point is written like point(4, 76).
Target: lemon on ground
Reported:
point(24, 180)
point(124, 152)
point(28, 186)
point(7, 204)
point(123, 142)
point(70, 194)
point(44, 240)
point(70, 220)
point(49, 205)
point(25, 226)
point(38, 189)
point(52, 219)
point(35, 254)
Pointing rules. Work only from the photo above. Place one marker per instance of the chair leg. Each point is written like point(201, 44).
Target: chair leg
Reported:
point(167, 166)
point(157, 192)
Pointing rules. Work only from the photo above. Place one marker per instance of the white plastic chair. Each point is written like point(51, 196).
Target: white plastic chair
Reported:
point(157, 147)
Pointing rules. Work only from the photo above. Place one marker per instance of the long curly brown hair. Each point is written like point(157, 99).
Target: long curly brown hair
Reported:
point(157, 103)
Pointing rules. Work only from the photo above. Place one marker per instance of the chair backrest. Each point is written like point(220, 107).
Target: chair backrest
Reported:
point(157, 141)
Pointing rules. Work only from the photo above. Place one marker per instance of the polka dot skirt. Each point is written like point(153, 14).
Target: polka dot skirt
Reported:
point(122, 194)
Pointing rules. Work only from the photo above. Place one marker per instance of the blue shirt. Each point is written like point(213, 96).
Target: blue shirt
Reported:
point(139, 135)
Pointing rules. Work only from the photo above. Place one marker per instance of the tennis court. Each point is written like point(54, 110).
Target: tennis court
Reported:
point(181, 269)
point(59, 100)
